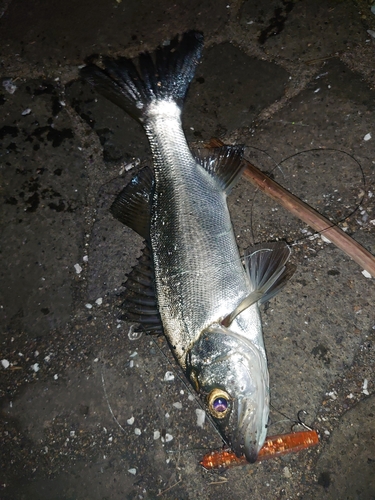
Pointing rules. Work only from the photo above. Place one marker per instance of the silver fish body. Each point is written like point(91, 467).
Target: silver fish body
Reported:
point(199, 275)
point(207, 300)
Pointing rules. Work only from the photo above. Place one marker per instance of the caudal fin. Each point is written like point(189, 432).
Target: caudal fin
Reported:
point(164, 75)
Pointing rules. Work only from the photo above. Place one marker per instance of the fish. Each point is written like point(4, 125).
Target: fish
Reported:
point(191, 283)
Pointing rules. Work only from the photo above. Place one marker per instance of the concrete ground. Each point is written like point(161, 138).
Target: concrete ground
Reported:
point(87, 411)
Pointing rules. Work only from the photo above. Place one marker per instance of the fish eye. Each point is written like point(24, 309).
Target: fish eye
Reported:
point(218, 403)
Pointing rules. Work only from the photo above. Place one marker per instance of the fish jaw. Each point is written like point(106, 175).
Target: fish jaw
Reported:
point(231, 375)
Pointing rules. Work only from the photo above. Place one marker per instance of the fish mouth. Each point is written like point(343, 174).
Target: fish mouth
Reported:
point(249, 435)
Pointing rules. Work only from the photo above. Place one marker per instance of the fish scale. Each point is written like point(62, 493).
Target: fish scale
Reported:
point(194, 248)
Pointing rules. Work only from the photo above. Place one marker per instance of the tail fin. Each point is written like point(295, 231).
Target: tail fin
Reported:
point(165, 75)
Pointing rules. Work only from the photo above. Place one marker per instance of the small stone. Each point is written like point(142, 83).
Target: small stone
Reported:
point(364, 387)
point(88, 306)
point(137, 431)
point(99, 301)
point(178, 405)
point(35, 367)
point(201, 417)
point(132, 471)
point(367, 137)
point(366, 274)
point(78, 268)
point(130, 421)
point(168, 376)
point(5, 363)
point(156, 435)
point(168, 437)
point(287, 473)
point(325, 239)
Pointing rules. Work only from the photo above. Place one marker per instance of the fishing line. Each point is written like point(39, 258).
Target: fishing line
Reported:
point(277, 165)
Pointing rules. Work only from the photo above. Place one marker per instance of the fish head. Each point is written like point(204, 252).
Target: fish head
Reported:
point(230, 373)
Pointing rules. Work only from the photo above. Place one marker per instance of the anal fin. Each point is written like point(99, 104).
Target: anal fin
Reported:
point(140, 302)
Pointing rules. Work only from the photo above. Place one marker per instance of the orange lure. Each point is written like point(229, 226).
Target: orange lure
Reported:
point(274, 446)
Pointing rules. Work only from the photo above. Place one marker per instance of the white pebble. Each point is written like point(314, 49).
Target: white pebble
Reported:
point(9, 86)
point(168, 376)
point(5, 363)
point(88, 306)
point(27, 111)
point(131, 363)
point(364, 387)
point(326, 432)
point(332, 394)
point(85, 258)
point(132, 471)
point(367, 137)
point(55, 377)
point(35, 367)
point(156, 435)
point(191, 397)
point(287, 473)
point(78, 268)
point(201, 417)
point(178, 405)
point(168, 437)
point(130, 420)
point(99, 301)
point(366, 274)
point(137, 431)
point(325, 239)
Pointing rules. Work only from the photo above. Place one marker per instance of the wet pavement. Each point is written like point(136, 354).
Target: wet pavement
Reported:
point(90, 409)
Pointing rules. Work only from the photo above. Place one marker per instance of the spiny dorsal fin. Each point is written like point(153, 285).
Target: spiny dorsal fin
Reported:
point(224, 163)
point(132, 206)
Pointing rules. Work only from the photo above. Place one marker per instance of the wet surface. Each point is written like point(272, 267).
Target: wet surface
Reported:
point(87, 411)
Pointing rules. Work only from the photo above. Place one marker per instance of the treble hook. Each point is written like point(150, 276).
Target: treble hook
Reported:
point(299, 421)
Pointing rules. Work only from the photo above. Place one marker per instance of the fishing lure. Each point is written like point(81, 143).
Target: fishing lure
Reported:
point(274, 446)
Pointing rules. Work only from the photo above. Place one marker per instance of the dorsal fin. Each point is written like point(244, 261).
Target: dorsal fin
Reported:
point(224, 163)
point(132, 206)
point(140, 302)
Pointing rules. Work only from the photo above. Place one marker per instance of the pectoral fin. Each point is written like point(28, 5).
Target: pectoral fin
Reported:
point(132, 206)
point(268, 270)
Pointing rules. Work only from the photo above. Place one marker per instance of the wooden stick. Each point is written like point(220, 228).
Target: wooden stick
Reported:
point(307, 214)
